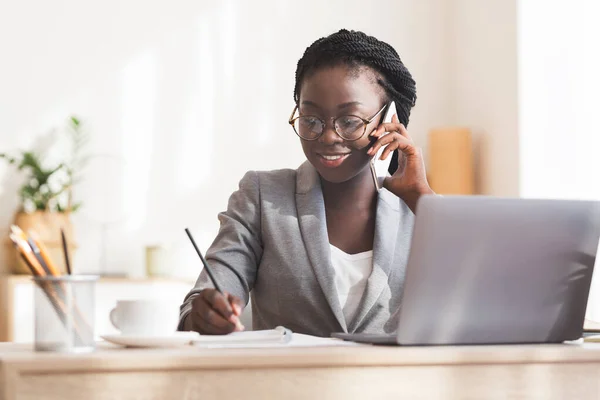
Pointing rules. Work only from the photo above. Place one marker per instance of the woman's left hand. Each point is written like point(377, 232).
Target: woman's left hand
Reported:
point(409, 181)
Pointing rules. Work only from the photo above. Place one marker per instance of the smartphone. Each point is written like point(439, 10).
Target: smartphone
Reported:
point(379, 168)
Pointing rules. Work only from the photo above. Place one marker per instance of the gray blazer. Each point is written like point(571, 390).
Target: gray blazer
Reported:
point(273, 244)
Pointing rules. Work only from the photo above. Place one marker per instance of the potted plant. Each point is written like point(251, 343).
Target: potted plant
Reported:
point(47, 194)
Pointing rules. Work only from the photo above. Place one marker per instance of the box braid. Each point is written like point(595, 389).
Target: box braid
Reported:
point(356, 49)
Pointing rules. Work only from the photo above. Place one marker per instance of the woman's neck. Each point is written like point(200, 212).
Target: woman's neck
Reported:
point(356, 193)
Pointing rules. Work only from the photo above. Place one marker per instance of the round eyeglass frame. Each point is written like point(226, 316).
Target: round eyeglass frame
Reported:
point(366, 122)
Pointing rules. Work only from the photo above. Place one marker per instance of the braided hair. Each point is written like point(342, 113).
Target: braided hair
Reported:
point(356, 49)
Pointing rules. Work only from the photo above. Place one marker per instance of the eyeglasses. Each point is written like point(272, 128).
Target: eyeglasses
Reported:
point(348, 127)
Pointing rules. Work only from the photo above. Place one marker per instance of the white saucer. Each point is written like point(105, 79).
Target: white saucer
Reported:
point(175, 339)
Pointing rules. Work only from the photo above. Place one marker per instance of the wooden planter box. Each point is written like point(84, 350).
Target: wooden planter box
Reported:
point(47, 226)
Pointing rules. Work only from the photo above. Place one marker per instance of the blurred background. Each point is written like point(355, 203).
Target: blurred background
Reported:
point(178, 99)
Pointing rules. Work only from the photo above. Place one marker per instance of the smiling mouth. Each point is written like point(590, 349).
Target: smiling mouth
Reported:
point(332, 160)
point(333, 157)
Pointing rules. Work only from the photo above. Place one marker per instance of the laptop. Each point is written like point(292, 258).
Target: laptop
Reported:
point(485, 270)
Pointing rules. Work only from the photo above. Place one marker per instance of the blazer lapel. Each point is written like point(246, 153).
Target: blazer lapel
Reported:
point(387, 224)
point(313, 227)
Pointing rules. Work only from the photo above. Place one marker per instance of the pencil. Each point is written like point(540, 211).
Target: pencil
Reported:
point(44, 253)
point(66, 251)
point(210, 274)
point(38, 256)
point(27, 254)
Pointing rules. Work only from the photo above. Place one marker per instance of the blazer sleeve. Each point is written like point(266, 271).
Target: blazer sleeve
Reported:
point(236, 252)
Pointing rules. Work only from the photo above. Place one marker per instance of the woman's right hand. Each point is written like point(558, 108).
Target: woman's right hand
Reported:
point(214, 313)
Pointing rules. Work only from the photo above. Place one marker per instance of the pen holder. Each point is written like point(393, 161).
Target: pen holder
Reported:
point(64, 313)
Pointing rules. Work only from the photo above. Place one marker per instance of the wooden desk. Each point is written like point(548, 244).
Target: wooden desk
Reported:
point(365, 372)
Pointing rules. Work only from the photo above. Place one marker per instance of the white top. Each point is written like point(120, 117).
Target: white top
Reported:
point(351, 274)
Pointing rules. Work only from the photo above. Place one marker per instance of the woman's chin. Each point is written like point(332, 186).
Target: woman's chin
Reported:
point(336, 175)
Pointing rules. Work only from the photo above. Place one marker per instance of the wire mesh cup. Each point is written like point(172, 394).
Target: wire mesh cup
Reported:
point(64, 313)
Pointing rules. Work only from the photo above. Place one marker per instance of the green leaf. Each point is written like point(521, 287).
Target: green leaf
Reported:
point(52, 172)
point(32, 161)
point(40, 205)
point(28, 191)
point(9, 159)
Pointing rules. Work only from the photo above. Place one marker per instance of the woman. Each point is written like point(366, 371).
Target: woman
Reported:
point(319, 248)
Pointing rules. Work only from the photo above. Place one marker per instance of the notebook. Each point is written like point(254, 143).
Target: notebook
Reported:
point(270, 338)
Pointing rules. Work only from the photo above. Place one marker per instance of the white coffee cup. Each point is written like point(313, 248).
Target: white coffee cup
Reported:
point(144, 317)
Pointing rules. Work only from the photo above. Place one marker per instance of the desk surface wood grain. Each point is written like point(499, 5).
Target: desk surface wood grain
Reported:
point(520, 372)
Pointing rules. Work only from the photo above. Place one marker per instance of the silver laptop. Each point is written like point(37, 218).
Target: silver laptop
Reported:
point(486, 270)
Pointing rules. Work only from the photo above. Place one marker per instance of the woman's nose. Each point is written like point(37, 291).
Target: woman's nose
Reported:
point(329, 136)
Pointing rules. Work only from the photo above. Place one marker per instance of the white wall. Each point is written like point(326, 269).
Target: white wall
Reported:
point(558, 100)
point(559, 86)
point(484, 89)
point(181, 98)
